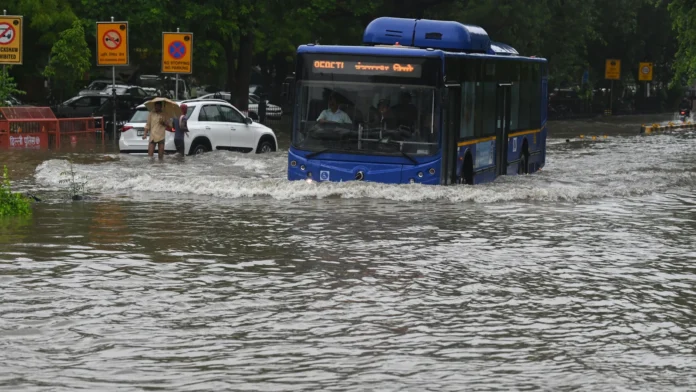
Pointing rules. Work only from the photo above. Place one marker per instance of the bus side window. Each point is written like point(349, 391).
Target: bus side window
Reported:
point(467, 110)
point(489, 108)
point(514, 105)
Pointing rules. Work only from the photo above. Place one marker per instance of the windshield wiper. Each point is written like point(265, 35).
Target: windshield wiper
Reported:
point(410, 158)
point(313, 154)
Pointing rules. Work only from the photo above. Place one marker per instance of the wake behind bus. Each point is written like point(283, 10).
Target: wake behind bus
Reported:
point(423, 101)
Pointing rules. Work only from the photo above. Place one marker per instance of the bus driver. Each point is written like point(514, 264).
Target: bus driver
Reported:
point(333, 114)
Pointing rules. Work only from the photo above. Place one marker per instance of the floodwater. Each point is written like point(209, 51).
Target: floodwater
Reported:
point(215, 273)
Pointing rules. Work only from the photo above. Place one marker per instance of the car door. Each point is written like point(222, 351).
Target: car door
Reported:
point(213, 126)
point(242, 135)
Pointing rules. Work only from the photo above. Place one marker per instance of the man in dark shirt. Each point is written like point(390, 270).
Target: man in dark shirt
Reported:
point(180, 129)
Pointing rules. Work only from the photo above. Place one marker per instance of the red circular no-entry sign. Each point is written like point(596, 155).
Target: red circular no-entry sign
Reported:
point(7, 34)
point(112, 39)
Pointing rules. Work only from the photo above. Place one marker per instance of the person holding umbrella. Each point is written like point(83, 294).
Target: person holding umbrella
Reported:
point(159, 118)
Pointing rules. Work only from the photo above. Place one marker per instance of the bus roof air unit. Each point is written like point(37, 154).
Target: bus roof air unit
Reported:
point(435, 34)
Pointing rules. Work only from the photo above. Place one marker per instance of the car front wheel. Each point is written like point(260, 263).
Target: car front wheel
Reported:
point(265, 147)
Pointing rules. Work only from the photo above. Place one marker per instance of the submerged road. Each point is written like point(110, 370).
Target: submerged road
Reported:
point(218, 274)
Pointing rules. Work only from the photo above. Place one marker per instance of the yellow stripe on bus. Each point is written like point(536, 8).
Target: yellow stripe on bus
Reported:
point(524, 133)
point(487, 139)
point(469, 142)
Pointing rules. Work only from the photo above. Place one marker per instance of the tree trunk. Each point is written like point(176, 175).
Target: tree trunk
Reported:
point(281, 66)
point(231, 56)
point(246, 52)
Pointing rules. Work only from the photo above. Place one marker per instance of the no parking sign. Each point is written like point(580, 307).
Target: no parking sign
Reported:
point(177, 53)
point(11, 40)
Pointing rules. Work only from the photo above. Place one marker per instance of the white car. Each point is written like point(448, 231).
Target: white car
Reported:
point(272, 111)
point(213, 125)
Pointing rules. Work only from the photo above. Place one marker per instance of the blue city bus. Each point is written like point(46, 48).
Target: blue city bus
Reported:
point(423, 101)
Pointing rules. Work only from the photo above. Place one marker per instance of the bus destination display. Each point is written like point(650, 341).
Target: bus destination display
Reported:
point(368, 69)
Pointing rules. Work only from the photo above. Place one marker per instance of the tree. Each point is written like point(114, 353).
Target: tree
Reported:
point(70, 59)
point(8, 86)
point(43, 19)
point(683, 14)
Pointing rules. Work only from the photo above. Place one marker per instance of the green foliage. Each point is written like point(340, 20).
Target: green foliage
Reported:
point(8, 86)
point(76, 188)
point(683, 14)
point(574, 35)
point(70, 59)
point(12, 204)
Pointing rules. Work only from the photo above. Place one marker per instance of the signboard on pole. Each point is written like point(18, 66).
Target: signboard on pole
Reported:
point(177, 52)
point(112, 44)
point(612, 69)
point(11, 40)
point(645, 72)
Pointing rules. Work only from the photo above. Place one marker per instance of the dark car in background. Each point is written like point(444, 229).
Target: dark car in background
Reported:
point(80, 106)
point(97, 86)
point(125, 107)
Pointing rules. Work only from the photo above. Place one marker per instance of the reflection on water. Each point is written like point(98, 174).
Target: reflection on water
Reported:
point(217, 274)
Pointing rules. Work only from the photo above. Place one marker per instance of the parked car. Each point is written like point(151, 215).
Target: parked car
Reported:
point(124, 89)
point(12, 101)
point(97, 86)
point(126, 105)
point(154, 85)
point(99, 105)
point(80, 105)
point(213, 125)
point(272, 111)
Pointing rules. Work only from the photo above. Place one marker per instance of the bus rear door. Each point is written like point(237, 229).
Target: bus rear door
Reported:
point(502, 127)
point(450, 133)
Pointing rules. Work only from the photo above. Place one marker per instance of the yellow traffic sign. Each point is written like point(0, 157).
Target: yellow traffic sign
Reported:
point(11, 40)
point(177, 51)
point(645, 71)
point(612, 69)
point(112, 43)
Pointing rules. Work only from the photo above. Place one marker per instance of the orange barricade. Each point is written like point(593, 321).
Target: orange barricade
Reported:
point(38, 127)
point(74, 129)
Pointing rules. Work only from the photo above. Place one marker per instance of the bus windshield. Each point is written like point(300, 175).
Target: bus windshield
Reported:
point(367, 118)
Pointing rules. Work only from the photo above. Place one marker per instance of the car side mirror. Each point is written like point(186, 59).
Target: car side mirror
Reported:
point(248, 121)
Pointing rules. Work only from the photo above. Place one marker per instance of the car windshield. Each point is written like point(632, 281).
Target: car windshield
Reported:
point(388, 119)
point(71, 100)
point(97, 86)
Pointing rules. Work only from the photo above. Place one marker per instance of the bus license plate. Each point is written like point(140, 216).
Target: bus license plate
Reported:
point(141, 132)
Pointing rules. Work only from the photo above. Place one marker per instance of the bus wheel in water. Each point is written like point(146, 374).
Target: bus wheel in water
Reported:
point(467, 173)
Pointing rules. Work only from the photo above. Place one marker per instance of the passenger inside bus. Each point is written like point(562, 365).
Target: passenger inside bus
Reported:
point(333, 114)
point(384, 118)
point(405, 111)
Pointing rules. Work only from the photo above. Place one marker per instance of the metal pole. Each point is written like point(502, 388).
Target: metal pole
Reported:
point(176, 81)
point(113, 97)
point(611, 97)
point(4, 69)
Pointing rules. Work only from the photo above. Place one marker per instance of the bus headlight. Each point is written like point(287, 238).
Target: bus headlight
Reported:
point(302, 167)
point(431, 171)
point(420, 174)
point(412, 181)
point(293, 163)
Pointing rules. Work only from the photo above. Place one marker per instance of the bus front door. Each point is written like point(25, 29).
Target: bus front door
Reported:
point(450, 134)
point(502, 127)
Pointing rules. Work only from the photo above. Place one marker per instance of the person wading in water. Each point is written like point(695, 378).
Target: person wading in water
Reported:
point(156, 126)
point(181, 129)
